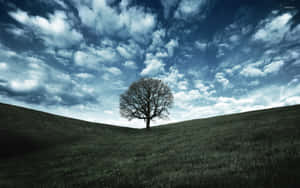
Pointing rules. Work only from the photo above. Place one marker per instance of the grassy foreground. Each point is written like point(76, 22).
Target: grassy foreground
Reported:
point(254, 149)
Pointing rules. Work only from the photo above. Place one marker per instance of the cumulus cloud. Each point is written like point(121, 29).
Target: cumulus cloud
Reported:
point(273, 29)
point(220, 77)
point(114, 70)
point(35, 82)
point(57, 31)
point(153, 66)
point(86, 59)
point(256, 69)
point(201, 45)
point(171, 46)
point(266, 97)
point(190, 8)
point(85, 75)
point(157, 39)
point(91, 57)
point(130, 64)
point(3, 66)
point(130, 21)
point(168, 6)
point(175, 79)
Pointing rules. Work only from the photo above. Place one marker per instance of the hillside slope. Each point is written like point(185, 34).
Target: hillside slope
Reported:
point(253, 149)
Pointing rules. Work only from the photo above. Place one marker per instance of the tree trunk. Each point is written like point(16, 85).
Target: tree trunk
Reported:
point(148, 124)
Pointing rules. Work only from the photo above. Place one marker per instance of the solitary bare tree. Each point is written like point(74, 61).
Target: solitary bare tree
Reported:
point(146, 99)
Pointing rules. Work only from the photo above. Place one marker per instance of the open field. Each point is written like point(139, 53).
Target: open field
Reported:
point(253, 149)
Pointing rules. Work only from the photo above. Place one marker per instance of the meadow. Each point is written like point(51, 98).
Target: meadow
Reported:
point(256, 149)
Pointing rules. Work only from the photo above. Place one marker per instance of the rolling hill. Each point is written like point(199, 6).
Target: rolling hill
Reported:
point(252, 149)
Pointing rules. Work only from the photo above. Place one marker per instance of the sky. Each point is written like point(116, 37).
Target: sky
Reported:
point(75, 57)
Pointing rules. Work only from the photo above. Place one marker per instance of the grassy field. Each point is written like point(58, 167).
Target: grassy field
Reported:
point(254, 149)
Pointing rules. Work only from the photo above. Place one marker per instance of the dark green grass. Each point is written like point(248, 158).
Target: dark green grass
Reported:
point(254, 149)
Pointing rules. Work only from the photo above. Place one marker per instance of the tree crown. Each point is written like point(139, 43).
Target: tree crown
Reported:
point(146, 99)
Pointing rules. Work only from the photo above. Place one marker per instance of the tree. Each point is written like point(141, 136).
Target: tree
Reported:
point(146, 99)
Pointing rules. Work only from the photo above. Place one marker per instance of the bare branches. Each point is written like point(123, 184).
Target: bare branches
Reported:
point(146, 99)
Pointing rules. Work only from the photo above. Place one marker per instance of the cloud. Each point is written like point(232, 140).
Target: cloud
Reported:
point(205, 89)
point(85, 75)
point(86, 59)
point(201, 45)
point(128, 22)
point(273, 29)
point(91, 57)
point(114, 70)
point(57, 31)
point(190, 8)
point(273, 67)
point(153, 66)
point(220, 77)
point(168, 6)
point(18, 32)
point(65, 53)
point(256, 69)
point(183, 85)
point(3, 66)
point(174, 79)
point(157, 39)
point(130, 64)
point(171, 46)
point(266, 97)
point(23, 85)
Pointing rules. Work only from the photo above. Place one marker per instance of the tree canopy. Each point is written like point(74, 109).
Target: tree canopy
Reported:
point(146, 99)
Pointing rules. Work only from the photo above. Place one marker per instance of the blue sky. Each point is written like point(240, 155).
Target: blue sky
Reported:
point(75, 57)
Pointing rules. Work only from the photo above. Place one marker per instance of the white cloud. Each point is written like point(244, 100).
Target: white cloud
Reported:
point(256, 69)
point(273, 67)
point(16, 31)
point(268, 97)
point(130, 64)
point(220, 77)
point(114, 70)
point(130, 21)
point(273, 29)
point(189, 8)
point(168, 5)
point(171, 46)
point(65, 53)
point(185, 96)
point(23, 85)
point(174, 79)
point(157, 39)
point(85, 59)
point(91, 57)
point(183, 85)
point(201, 45)
point(57, 31)
point(153, 66)
point(123, 52)
point(254, 83)
point(85, 75)
point(252, 70)
point(205, 89)
point(3, 66)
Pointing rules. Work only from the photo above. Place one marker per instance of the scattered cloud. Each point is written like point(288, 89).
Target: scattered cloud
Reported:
point(114, 70)
point(129, 21)
point(190, 8)
point(57, 31)
point(168, 6)
point(273, 29)
point(220, 77)
point(130, 64)
point(171, 46)
point(256, 69)
point(153, 66)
